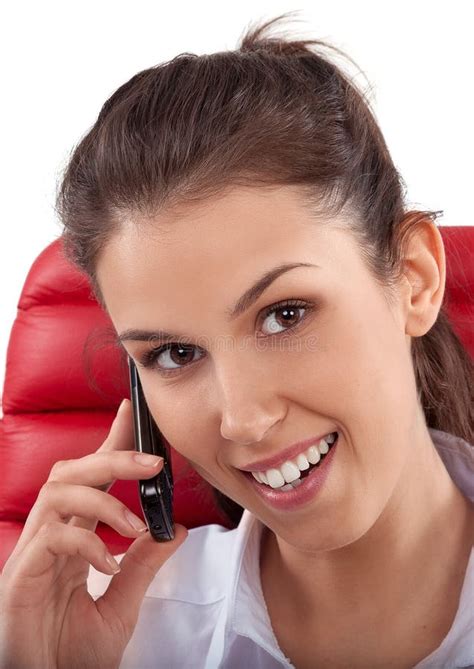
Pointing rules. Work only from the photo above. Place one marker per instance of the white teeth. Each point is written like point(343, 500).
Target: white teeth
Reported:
point(286, 487)
point(290, 471)
point(291, 486)
point(323, 447)
point(260, 476)
point(313, 455)
point(275, 478)
point(288, 475)
point(302, 462)
point(263, 478)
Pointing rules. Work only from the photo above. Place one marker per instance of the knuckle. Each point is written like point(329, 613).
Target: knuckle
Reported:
point(47, 489)
point(49, 529)
point(56, 469)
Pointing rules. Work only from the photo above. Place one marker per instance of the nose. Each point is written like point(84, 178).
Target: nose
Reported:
point(249, 408)
point(245, 429)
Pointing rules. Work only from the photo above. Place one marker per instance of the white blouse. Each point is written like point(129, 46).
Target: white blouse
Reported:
point(205, 607)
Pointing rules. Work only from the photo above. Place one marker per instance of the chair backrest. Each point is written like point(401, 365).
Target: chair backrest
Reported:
point(65, 379)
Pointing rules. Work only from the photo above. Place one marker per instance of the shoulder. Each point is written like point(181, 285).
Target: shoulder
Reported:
point(198, 572)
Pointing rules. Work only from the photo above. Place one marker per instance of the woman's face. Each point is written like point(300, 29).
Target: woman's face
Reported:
point(247, 388)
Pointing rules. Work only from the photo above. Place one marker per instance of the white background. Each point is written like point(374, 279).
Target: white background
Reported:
point(60, 61)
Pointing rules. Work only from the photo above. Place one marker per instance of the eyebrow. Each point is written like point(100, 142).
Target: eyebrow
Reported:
point(244, 302)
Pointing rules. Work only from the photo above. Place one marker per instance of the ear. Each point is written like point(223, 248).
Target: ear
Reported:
point(425, 277)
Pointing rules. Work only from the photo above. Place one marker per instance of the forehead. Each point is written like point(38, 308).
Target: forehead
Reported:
point(240, 220)
point(216, 248)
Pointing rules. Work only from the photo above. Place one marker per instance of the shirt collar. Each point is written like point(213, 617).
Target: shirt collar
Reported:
point(458, 457)
point(248, 611)
point(248, 614)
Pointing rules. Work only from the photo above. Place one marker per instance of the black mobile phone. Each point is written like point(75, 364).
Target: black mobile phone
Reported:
point(156, 493)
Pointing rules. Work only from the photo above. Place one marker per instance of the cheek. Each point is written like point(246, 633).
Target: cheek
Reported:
point(190, 433)
point(214, 475)
point(362, 378)
point(187, 431)
point(368, 361)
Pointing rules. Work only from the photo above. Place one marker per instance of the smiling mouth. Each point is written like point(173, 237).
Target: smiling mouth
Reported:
point(292, 473)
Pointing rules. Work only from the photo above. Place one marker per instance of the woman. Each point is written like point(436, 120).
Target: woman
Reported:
point(241, 220)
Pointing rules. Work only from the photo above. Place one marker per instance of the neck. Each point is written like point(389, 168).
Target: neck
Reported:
point(417, 548)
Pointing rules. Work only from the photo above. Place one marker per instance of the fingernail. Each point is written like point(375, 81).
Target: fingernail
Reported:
point(135, 521)
point(114, 565)
point(148, 459)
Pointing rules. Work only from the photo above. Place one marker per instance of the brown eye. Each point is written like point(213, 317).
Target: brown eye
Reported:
point(284, 316)
point(182, 354)
point(169, 358)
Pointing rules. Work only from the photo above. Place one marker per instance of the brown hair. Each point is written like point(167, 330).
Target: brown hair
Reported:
point(272, 112)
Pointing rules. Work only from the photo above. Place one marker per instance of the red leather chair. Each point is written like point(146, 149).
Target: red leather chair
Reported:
point(65, 379)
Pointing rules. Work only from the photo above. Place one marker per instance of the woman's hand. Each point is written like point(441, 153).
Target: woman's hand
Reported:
point(48, 620)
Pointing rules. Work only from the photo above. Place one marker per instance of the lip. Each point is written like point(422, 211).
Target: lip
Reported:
point(287, 454)
point(304, 493)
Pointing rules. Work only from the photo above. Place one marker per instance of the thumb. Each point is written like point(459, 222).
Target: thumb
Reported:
point(139, 566)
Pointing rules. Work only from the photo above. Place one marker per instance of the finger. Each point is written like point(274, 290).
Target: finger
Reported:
point(93, 469)
point(139, 565)
point(90, 470)
point(120, 436)
point(62, 501)
point(54, 540)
